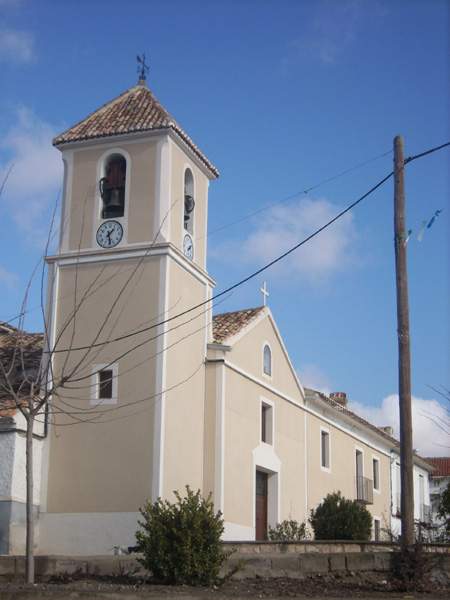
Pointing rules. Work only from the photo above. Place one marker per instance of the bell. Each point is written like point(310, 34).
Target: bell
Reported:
point(115, 199)
point(189, 203)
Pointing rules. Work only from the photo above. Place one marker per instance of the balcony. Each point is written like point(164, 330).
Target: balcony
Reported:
point(425, 513)
point(364, 490)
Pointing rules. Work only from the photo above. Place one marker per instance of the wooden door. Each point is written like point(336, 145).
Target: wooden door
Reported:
point(261, 505)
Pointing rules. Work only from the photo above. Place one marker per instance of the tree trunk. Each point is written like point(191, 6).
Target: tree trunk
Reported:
point(29, 502)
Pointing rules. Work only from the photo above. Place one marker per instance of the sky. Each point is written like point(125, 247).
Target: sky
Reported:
point(281, 96)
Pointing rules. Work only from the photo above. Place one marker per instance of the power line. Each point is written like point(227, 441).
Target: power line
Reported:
point(263, 268)
point(239, 283)
point(426, 152)
point(297, 194)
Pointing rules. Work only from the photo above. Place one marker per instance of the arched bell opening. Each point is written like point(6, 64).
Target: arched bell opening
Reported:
point(112, 187)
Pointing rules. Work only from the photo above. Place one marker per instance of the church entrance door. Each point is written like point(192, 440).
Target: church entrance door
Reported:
point(261, 505)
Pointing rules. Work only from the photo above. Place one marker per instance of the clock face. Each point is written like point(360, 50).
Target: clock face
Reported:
point(109, 234)
point(188, 246)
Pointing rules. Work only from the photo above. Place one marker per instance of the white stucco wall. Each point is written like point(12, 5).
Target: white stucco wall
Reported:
point(417, 472)
point(13, 463)
point(7, 447)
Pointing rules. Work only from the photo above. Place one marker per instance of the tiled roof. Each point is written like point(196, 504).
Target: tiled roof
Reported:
point(228, 324)
point(17, 346)
point(135, 110)
point(441, 465)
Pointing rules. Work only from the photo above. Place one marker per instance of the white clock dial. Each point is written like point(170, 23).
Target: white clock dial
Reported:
point(109, 234)
point(188, 246)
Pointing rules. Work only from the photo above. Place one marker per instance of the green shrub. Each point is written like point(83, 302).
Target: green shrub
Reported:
point(337, 518)
point(288, 531)
point(180, 541)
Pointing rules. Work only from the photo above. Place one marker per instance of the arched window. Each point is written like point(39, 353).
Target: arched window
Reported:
point(189, 202)
point(112, 187)
point(267, 360)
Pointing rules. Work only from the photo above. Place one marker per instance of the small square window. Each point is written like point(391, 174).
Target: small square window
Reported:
point(105, 384)
point(325, 449)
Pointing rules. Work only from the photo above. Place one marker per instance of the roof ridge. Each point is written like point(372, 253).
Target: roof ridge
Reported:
point(241, 310)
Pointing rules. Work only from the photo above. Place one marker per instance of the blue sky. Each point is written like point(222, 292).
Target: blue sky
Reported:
point(280, 96)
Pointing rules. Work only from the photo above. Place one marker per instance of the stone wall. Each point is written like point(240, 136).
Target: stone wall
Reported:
point(249, 559)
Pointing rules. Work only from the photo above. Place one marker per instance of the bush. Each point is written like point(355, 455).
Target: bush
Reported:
point(181, 541)
point(288, 531)
point(337, 518)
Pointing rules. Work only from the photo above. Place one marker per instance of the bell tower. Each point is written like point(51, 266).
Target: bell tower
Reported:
point(129, 384)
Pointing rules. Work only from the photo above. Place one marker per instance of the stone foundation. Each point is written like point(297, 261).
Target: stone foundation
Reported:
point(249, 559)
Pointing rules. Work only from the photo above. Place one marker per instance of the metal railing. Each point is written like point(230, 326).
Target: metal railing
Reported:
point(425, 513)
point(364, 490)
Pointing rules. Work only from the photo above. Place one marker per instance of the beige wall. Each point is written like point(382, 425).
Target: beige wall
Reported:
point(180, 162)
point(243, 435)
point(185, 381)
point(342, 473)
point(209, 435)
point(247, 353)
point(84, 202)
point(108, 466)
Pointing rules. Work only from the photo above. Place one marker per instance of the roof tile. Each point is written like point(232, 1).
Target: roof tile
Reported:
point(135, 110)
point(441, 465)
point(228, 324)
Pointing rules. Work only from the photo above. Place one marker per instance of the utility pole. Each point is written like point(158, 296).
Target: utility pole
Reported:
point(404, 359)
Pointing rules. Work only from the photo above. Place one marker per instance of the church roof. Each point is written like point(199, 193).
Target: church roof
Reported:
point(228, 324)
point(135, 110)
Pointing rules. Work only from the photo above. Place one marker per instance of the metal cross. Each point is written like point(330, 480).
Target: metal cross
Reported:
point(142, 67)
point(265, 293)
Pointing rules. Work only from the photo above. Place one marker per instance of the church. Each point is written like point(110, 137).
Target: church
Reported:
point(151, 391)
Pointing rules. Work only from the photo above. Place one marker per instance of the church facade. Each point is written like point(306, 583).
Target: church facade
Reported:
point(153, 393)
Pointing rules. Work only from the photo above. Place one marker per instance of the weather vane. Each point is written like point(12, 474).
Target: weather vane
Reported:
point(142, 67)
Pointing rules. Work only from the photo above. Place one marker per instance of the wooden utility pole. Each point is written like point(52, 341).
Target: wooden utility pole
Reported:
point(404, 360)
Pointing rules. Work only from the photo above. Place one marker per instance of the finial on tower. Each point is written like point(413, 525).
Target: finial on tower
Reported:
point(142, 69)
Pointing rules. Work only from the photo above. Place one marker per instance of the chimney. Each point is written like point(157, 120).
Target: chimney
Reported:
point(388, 429)
point(339, 397)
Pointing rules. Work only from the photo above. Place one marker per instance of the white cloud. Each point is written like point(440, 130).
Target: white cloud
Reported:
point(10, 280)
point(333, 29)
point(16, 46)
point(284, 226)
point(311, 376)
point(431, 423)
point(35, 178)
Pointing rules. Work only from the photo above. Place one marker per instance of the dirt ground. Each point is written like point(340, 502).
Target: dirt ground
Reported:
point(325, 587)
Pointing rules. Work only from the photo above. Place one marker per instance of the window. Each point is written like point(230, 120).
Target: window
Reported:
point(267, 360)
point(266, 423)
point(376, 530)
point(112, 187)
point(105, 384)
point(325, 449)
point(376, 474)
point(189, 202)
